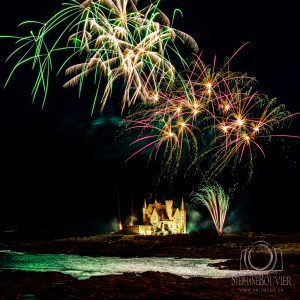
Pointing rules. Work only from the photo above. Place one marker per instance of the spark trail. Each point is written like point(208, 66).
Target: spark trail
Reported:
point(110, 41)
point(216, 201)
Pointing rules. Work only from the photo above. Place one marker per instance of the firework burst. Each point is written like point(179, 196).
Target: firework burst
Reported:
point(109, 39)
point(211, 115)
point(216, 201)
point(207, 117)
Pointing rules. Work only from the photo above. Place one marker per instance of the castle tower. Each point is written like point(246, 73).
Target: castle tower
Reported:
point(145, 215)
point(169, 208)
point(182, 217)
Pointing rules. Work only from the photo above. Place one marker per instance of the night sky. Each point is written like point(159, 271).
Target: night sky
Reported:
point(59, 167)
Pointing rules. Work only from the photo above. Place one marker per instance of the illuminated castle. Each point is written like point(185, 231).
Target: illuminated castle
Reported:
point(161, 219)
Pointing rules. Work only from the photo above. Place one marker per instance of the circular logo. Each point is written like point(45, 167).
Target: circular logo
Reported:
point(267, 254)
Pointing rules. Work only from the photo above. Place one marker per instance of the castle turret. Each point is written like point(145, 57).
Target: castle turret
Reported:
point(182, 217)
point(182, 205)
point(145, 214)
point(169, 208)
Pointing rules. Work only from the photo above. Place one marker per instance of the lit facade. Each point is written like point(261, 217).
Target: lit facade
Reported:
point(161, 219)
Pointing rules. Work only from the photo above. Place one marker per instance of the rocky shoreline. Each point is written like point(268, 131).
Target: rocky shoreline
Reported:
point(186, 246)
point(150, 285)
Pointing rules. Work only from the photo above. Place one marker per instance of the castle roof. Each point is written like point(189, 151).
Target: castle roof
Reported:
point(162, 211)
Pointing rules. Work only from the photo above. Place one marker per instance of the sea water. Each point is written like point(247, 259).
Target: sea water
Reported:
point(83, 267)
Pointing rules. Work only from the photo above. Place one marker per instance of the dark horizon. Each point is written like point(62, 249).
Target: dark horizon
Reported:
point(60, 166)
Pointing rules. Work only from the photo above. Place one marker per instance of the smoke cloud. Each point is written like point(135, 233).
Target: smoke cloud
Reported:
point(196, 221)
